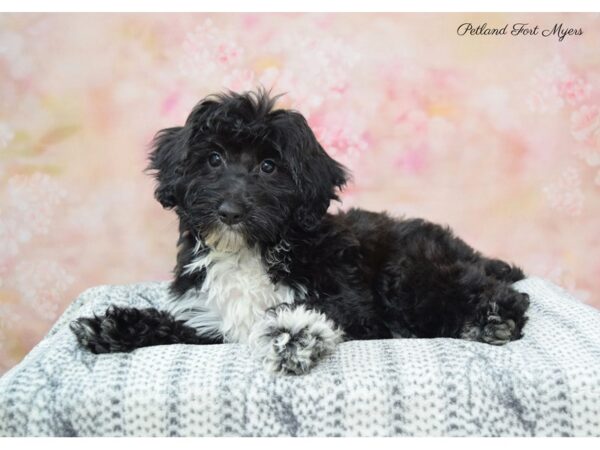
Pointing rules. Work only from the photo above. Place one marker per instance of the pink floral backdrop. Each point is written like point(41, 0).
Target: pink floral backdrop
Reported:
point(498, 137)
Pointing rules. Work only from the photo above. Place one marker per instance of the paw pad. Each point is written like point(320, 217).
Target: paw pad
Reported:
point(497, 331)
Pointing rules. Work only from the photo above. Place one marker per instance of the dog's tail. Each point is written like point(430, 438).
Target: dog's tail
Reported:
point(503, 271)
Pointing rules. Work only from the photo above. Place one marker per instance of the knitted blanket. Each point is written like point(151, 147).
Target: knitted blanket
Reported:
point(548, 383)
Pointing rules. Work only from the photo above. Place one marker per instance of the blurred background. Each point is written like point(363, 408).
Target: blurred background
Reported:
point(498, 137)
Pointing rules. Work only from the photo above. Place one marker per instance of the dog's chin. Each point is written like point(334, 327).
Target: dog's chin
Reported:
point(226, 239)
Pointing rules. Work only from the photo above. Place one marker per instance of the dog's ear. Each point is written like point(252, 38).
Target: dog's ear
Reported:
point(317, 175)
point(170, 148)
point(167, 162)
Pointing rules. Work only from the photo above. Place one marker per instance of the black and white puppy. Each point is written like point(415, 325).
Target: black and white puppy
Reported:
point(261, 261)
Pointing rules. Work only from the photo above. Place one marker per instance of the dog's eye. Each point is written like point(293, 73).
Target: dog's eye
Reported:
point(214, 159)
point(267, 166)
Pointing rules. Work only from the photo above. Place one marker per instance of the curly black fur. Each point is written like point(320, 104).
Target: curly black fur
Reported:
point(373, 276)
point(124, 329)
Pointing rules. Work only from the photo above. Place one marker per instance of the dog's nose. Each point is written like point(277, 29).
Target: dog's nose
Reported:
point(230, 212)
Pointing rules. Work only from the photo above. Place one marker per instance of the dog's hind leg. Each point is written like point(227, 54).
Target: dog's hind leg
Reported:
point(500, 315)
point(124, 329)
point(457, 300)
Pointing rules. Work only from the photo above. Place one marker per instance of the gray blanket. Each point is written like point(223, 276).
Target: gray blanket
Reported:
point(548, 383)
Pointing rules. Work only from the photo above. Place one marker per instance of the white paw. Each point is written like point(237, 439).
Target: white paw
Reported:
point(291, 340)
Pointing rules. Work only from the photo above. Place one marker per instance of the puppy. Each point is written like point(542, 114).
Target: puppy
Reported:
point(261, 262)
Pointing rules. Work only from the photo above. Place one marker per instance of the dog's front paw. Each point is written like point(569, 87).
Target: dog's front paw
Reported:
point(295, 353)
point(88, 332)
point(291, 340)
point(123, 329)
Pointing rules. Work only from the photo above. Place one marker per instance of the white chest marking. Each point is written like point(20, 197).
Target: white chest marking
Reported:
point(235, 294)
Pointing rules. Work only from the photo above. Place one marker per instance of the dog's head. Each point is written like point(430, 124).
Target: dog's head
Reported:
point(240, 172)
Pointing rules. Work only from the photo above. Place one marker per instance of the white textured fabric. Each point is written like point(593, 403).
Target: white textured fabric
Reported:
point(548, 383)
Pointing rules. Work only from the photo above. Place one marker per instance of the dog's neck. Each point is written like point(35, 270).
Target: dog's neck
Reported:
point(279, 259)
point(236, 291)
